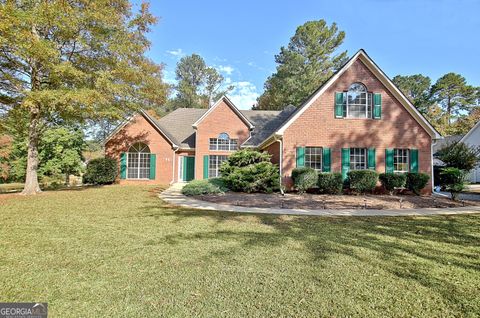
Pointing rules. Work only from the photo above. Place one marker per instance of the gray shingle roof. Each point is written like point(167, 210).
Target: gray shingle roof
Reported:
point(178, 124)
point(447, 140)
point(266, 123)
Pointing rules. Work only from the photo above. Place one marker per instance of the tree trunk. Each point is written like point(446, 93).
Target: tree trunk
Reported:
point(31, 180)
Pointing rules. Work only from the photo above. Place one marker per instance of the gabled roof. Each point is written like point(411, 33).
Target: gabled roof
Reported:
point(370, 64)
point(231, 105)
point(477, 125)
point(160, 128)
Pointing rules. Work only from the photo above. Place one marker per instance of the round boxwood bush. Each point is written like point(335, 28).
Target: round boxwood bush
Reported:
point(100, 171)
point(203, 187)
point(416, 181)
point(305, 178)
point(362, 180)
point(390, 181)
point(330, 183)
point(250, 171)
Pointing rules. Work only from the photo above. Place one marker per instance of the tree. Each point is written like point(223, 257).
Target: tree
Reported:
point(454, 95)
point(304, 65)
point(198, 84)
point(73, 60)
point(60, 152)
point(416, 88)
point(460, 155)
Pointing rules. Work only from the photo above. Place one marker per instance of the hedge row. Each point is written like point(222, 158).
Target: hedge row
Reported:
point(361, 181)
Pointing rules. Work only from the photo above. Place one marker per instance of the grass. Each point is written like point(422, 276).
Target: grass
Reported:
point(120, 251)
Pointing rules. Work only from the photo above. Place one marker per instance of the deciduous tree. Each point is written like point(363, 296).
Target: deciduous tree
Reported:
point(72, 60)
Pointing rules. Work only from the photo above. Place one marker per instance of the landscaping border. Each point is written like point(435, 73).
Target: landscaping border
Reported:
point(174, 196)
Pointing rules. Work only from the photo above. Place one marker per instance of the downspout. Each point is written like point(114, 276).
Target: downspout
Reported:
point(431, 162)
point(281, 166)
point(175, 149)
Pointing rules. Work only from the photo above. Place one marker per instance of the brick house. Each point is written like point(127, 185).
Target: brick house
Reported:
point(358, 119)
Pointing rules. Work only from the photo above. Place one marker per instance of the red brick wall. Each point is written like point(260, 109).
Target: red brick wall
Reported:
point(317, 126)
point(140, 130)
point(221, 119)
point(274, 150)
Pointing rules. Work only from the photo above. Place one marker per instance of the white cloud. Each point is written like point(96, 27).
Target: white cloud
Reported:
point(227, 69)
point(176, 53)
point(244, 95)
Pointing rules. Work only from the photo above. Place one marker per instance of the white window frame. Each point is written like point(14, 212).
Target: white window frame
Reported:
point(308, 162)
point(141, 154)
point(223, 140)
point(216, 165)
point(365, 156)
point(407, 156)
point(368, 103)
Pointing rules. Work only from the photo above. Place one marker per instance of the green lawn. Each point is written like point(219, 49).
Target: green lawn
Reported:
point(119, 251)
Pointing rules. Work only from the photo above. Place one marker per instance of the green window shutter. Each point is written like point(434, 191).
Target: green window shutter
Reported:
point(205, 166)
point(300, 157)
point(389, 160)
point(371, 158)
point(377, 106)
point(345, 162)
point(413, 160)
point(123, 165)
point(338, 105)
point(153, 165)
point(327, 160)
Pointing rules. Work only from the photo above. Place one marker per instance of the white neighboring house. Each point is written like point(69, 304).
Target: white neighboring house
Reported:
point(473, 138)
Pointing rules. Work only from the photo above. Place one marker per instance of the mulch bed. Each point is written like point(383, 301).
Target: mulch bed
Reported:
point(318, 201)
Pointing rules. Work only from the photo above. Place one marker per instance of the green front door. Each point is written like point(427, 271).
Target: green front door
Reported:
point(188, 168)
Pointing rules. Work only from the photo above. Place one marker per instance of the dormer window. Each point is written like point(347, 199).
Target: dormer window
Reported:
point(357, 102)
point(223, 143)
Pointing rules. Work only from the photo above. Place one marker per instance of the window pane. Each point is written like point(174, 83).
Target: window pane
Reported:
point(313, 158)
point(138, 163)
point(358, 158)
point(357, 101)
point(401, 160)
point(223, 144)
point(214, 163)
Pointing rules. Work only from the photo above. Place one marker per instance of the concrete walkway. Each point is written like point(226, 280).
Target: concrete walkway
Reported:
point(174, 196)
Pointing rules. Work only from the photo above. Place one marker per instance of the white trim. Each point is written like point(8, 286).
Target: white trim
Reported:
point(380, 76)
point(470, 132)
point(231, 105)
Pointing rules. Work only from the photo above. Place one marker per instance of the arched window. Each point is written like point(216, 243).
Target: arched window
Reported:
point(138, 161)
point(223, 142)
point(358, 102)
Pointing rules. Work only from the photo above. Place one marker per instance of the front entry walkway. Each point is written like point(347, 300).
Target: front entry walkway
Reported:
point(174, 196)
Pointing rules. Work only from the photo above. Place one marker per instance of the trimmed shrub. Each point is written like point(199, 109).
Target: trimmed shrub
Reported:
point(453, 179)
point(296, 172)
point(100, 171)
point(305, 179)
point(250, 171)
point(390, 181)
point(416, 181)
point(330, 183)
point(362, 180)
point(201, 187)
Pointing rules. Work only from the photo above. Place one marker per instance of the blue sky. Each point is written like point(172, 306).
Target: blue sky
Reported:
point(240, 38)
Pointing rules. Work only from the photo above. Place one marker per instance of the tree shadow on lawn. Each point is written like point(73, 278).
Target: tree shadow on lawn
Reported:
point(413, 248)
